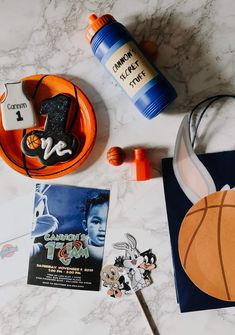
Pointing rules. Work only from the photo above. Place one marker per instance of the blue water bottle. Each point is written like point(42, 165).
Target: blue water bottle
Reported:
point(116, 49)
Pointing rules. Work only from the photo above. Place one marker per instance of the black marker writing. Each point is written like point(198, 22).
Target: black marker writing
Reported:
point(137, 79)
point(123, 59)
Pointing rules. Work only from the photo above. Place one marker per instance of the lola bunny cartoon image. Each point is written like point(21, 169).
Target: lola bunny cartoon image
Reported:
point(206, 241)
point(132, 261)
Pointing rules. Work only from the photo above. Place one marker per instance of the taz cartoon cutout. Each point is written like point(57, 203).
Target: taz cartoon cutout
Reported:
point(207, 235)
point(52, 145)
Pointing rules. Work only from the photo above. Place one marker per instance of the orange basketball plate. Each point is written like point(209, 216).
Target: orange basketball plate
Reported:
point(81, 123)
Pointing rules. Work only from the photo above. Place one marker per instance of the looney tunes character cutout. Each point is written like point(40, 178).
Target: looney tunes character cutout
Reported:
point(130, 272)
point(114, 281)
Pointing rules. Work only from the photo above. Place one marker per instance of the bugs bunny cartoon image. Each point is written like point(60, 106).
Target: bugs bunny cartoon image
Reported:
point(206, 241)
point(43, 221)
point(132, 260)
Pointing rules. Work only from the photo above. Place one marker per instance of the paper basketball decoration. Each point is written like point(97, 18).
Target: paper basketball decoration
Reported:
point(33, 141)
point(207, 244)
point(116, 156)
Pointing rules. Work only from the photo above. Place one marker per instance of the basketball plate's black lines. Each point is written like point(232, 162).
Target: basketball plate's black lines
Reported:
point(195, 233)
point(77, 109)
point(219, 245)
point(37, 85)
point(24, 157)
point(19, 166)
point(24, 130)
point(211, 206)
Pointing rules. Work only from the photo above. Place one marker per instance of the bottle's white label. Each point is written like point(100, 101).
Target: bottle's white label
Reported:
point(130, 68)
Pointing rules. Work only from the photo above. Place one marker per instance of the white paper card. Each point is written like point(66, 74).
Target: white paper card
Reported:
point(14, 258)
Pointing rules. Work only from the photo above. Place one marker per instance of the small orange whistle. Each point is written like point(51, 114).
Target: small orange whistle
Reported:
point(142, 167)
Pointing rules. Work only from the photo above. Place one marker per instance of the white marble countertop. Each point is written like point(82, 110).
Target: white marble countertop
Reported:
point(197, 54)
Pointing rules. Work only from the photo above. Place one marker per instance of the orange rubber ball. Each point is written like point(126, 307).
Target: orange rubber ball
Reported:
point(115, 156)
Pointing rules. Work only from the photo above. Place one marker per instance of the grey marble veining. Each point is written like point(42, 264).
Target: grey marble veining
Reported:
point(197, 54)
